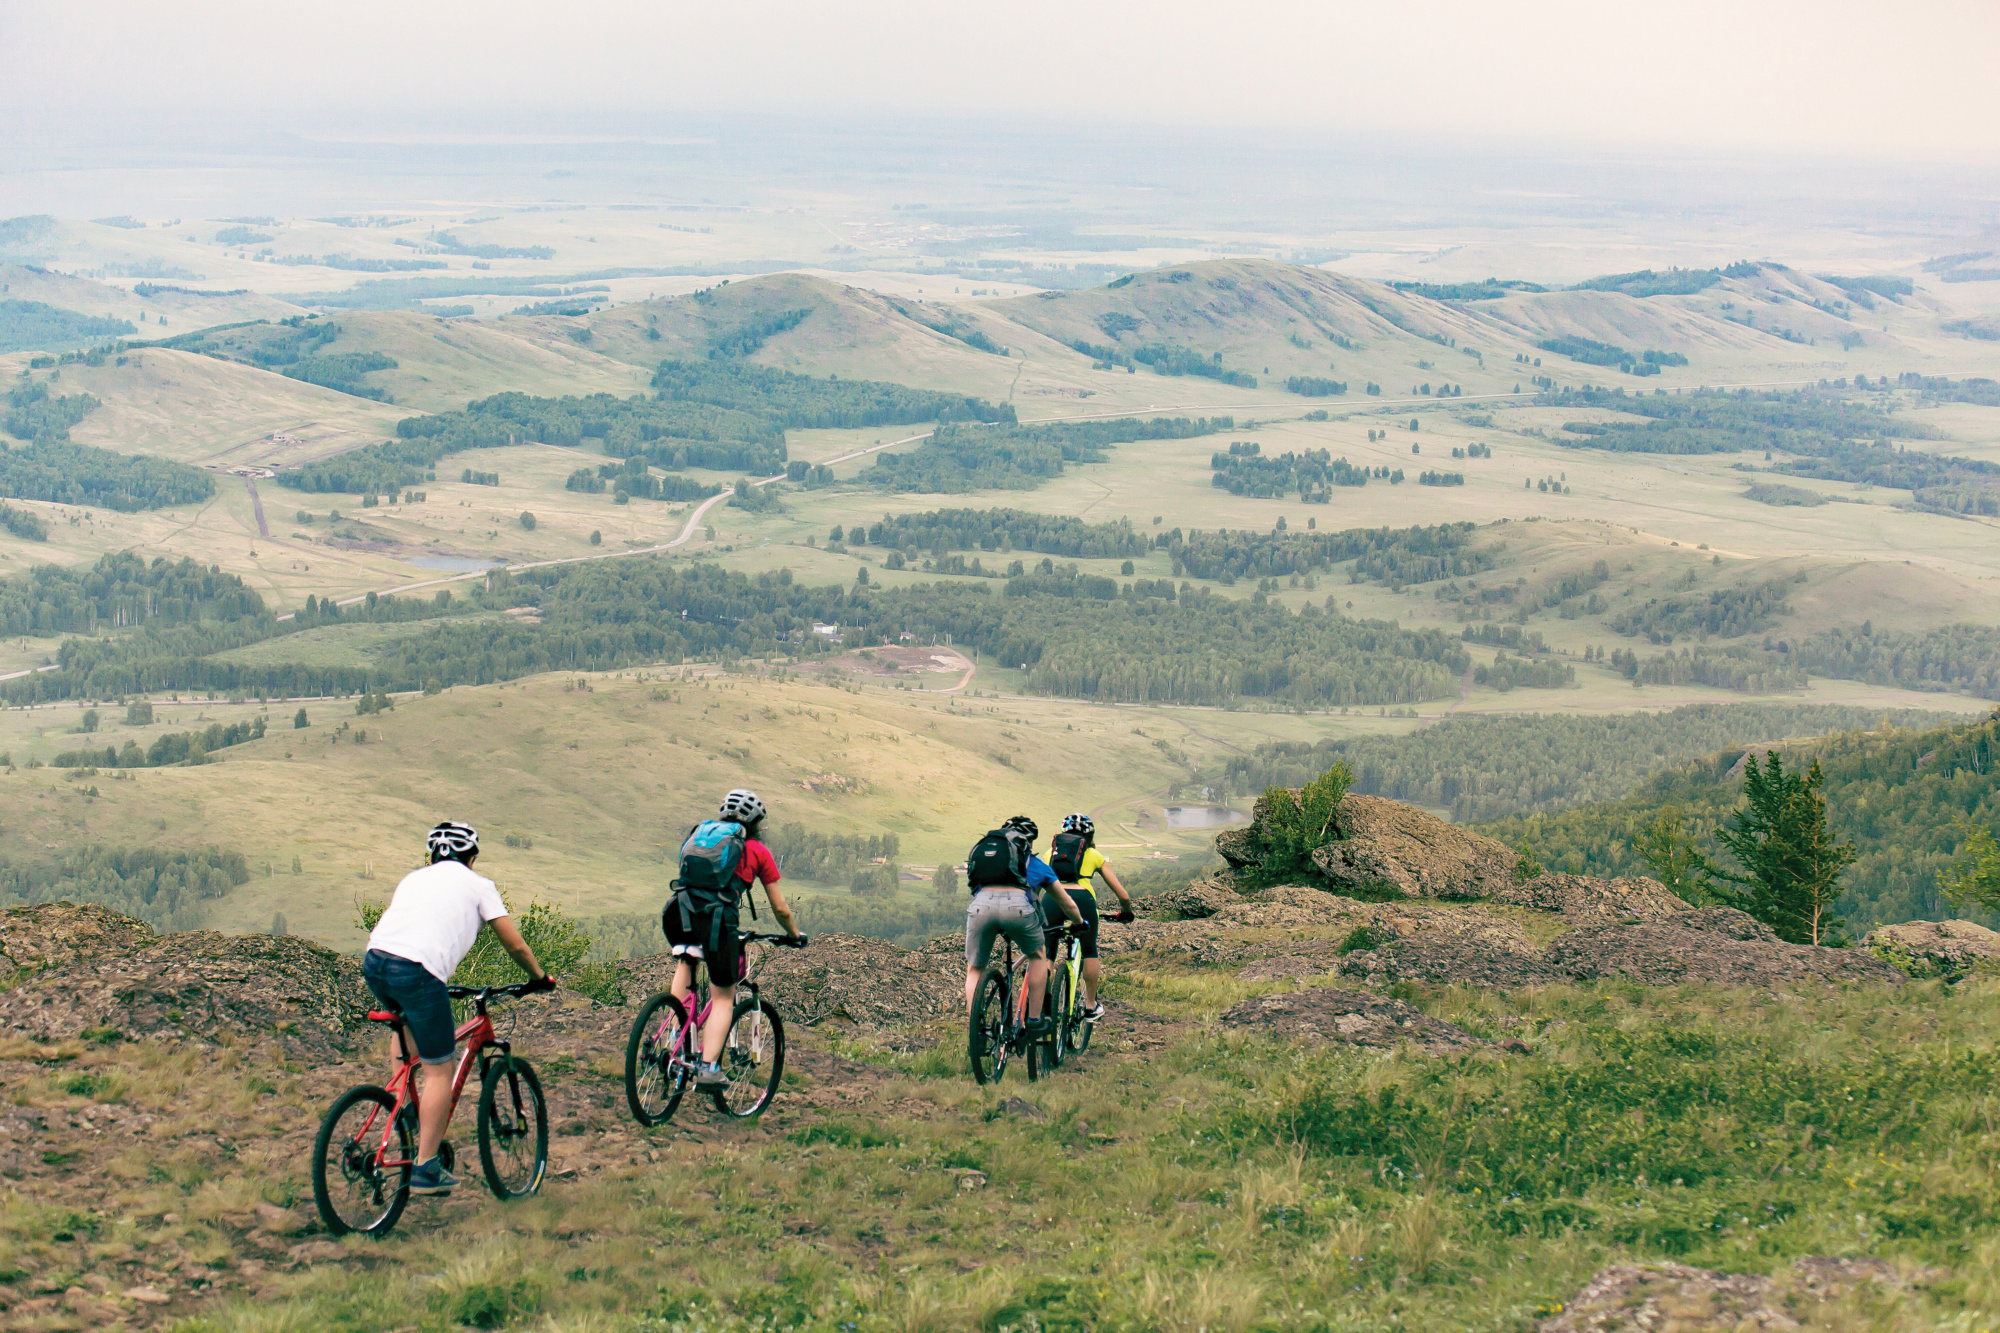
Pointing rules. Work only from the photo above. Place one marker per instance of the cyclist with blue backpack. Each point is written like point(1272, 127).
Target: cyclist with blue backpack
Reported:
point(1006, 879)
point(721, 860)
point(1074, 858)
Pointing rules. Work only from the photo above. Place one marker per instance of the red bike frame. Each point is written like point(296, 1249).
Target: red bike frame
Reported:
point(477, 1034)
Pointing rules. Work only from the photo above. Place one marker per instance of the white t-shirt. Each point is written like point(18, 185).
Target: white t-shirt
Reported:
point(435, 916)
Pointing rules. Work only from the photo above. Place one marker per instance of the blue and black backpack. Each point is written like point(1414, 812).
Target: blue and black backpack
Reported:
point(708, 882)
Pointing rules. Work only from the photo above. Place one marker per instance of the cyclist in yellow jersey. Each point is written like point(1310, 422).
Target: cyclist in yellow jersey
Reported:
point(1075, 859)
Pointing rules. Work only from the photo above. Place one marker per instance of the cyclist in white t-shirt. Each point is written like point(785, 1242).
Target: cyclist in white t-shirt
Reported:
point(422, 936)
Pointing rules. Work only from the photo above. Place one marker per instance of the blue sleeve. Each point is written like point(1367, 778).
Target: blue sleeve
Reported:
point(1039, 875)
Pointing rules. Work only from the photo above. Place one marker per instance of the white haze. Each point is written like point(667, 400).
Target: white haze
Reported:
point(1911, 81)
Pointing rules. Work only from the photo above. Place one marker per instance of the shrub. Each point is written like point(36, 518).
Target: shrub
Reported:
point(527, 520)
point(139, 713)
point(1296, 824)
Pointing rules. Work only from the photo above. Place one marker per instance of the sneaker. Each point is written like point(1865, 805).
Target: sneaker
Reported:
point(711, 1076)
point(1094, 1012)
point(1040, 1027)
point(430, 1177)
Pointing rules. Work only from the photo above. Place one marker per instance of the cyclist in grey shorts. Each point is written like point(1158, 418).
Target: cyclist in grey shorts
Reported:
point(1007, 880)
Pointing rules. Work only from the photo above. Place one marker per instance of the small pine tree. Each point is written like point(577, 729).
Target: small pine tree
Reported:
point(299, 722)
point(278, 925)
point(1790, 860)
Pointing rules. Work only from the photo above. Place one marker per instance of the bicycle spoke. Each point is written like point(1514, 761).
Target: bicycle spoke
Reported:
point(513, 1128)
point(359, 1180)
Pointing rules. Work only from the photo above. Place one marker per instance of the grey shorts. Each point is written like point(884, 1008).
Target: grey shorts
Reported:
point(996, 912)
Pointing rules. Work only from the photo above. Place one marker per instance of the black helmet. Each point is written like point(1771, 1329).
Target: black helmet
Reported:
point(1025, 825)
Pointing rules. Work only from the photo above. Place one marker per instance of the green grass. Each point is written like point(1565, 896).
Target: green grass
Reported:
point(1226, 1184)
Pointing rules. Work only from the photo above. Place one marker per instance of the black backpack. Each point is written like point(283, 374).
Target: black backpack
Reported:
point(998, 861)
point(1066, 856)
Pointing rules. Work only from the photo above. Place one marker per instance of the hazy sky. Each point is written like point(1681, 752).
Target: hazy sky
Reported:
point(1912, 78)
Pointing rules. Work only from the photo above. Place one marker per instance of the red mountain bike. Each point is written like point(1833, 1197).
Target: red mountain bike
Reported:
point(664, 1050)
point(367, 1144)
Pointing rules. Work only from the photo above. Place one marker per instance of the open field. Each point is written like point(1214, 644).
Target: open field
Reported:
point(604, 777)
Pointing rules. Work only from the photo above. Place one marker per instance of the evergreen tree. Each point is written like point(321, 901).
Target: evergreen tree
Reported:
point(1669, 850)
point(1973, 878)
point(1791, 862)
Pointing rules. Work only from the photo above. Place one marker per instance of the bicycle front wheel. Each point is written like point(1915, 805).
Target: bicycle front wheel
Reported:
point(513, 1128)
point(356, 1185)
point(986, 1037)
point(753, 1059)
point(1057, 1006)
point(654, 1083)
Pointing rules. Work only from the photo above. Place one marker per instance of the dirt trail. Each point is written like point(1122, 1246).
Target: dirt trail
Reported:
point(256, 503)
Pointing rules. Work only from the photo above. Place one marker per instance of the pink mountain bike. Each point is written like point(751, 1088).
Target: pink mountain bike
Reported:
point(663, 1053)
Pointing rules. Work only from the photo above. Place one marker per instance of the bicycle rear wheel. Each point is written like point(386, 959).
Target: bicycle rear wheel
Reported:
point(753, 1058)
point(986, 1035)
point(354, 1193)
point(1057, 1006)
point(654, 1083)
point(513, 1128)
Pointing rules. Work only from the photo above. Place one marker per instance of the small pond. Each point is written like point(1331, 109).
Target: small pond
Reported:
point(1201, 816)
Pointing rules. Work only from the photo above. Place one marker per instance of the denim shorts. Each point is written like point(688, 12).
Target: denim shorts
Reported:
point(997, 912)
point(402, 984)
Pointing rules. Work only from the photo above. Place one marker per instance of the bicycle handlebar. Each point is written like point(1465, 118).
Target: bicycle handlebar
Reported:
point(517, 990)
point(757, 936)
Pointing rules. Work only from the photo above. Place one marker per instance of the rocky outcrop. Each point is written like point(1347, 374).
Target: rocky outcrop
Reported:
point(1190, 902)
point(1633, 1298)
point(88, 970)
point(1717, 944)
point(1935, 948)
point(847, 980)
point(1389, 846)
point(1586, 898)
point(1323, 1017)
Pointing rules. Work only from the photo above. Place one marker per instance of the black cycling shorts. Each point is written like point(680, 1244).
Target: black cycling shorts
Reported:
point(694, 940)
point(1086, 906)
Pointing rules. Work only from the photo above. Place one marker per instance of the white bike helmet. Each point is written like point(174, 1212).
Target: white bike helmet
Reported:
point(453, 842)
point(742, 806)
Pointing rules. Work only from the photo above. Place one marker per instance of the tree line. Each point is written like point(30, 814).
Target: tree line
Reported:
point(165, 889)
point(956, 459)
point(1725, 613)
point(726, 416)
point(1390, 556)
point(1903, 798)
point(1952, 657)
point(187, 748)
point(1077, 635)
point(1244, 470)
point(828, 858)
point(53, 468)
point(943, 530)
point(1488, 768)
